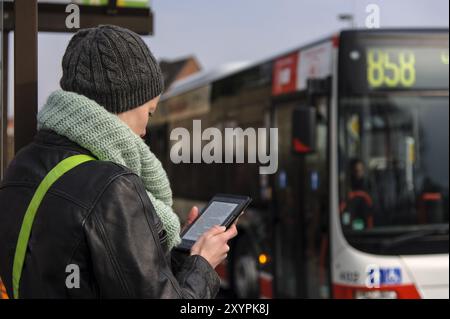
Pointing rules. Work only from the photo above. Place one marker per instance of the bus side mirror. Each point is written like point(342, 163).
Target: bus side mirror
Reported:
point(304, 130)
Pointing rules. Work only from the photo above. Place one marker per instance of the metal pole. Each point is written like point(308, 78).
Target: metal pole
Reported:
point(25, 72)
point(4, 125)
point(4, 106)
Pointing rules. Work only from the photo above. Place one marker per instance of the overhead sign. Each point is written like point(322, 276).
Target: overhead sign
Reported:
point(285, 74)
point(120, 3)
point(315, 63)
point(291, 72)
point(92, 2)
point(133, 3)
point(408, 67)
point(373, 63)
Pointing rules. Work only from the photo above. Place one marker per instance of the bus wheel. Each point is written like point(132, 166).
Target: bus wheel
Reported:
point(244, 269)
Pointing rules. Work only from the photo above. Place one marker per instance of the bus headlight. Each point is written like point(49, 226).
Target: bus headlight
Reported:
point(375, 294)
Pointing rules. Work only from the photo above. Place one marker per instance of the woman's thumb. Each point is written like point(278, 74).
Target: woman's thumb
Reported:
point(193, 214)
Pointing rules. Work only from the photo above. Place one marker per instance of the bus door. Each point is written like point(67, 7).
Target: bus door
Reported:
point(301, 195)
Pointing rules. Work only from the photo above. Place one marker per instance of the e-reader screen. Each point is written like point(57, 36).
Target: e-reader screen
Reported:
point(215, 214)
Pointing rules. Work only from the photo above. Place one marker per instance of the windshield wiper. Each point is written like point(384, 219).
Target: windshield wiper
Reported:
point(412, 236)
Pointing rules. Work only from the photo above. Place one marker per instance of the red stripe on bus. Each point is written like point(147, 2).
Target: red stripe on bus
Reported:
point(348, 292)
point(265, 287)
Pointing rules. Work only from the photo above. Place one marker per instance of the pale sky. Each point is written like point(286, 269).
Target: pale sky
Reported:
point(223, 31)
point(219, 31)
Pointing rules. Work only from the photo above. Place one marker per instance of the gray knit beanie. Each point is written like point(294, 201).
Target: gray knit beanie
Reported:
point(112, 66)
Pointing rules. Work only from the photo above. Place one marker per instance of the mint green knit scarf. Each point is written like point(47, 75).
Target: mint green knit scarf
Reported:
point(88, 124)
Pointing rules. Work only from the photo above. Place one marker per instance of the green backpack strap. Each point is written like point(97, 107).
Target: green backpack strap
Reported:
point(27, 223)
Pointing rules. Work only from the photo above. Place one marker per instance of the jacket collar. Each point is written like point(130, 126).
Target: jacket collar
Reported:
point(51, 138)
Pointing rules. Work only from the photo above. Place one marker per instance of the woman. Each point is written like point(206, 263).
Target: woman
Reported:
point(106, 227)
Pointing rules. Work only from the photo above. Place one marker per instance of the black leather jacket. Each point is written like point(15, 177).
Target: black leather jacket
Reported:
point(99, 218)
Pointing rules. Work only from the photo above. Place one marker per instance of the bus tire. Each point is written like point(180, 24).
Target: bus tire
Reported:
point(244, 270)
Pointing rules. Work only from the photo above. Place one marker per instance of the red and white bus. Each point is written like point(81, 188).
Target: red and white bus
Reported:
point(358, 207)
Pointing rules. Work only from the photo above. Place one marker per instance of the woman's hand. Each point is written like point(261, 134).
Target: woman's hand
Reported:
point(212, 245)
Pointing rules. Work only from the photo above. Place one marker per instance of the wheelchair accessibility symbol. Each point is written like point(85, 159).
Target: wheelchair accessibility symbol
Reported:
point(379, 276)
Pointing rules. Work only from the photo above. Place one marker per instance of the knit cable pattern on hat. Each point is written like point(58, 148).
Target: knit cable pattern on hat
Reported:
point(112, 66)
point(88, 124)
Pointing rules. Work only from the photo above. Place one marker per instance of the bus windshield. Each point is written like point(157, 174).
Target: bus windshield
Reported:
point(394, 146)
point(394, 163)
